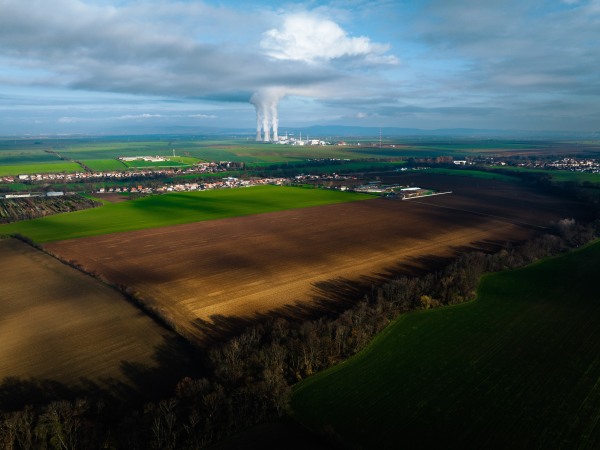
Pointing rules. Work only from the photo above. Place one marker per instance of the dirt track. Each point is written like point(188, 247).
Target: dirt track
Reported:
point(195, 274)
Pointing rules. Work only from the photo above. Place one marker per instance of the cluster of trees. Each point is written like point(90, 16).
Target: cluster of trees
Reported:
point(14, 209)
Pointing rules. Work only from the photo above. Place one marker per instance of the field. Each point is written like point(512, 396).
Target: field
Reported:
point(201, 276)
point(172, 161)
point(246, 150)
point(34, 168)
point(101, 165)
point(558, 175)
point(176, 208)
point(62, 330)
point(517, 368)
point(8, 157)
point(474, 174)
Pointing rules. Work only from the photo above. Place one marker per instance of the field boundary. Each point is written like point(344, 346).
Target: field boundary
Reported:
point(126, 291)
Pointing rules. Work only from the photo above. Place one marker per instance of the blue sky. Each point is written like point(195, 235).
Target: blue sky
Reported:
point(105, 66)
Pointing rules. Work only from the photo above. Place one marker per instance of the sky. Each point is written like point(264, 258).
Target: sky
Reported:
point(134, 66)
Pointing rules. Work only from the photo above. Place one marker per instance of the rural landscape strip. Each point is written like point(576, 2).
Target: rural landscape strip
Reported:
point(175, 208)
point(248, 379)
point(212, 270)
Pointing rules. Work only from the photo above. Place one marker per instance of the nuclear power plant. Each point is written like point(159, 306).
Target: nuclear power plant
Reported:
point(266, 103)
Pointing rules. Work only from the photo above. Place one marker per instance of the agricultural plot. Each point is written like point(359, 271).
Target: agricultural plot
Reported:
point(111, 149)
point(248, 151)
point(474, 174)
point(517, 368)
point(26, 157)
point(169, 162)
point(175, 208)
point(35, 168)
point(59, 327)
point(200, 276)
point(557, 175)
point(101, 165)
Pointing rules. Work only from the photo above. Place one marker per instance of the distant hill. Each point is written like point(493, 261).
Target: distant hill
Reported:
point(352, 131)
point(348, 131)
point(339, 132)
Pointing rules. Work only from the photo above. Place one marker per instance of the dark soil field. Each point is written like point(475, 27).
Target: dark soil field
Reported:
point(201, 277)
point(112, 197)
point(62, 333)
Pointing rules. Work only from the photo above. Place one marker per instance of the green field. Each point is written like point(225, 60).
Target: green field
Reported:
point(109, 148)
point(245, 149)
point(101, 165)
point(557, 175)
point(577, 177)
point(35, 168)
point(153, 164)
point(473, 173)
point(26, 157)
point(172, 209)
point(517, 368)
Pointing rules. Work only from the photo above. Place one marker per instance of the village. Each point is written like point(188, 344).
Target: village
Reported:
point(67, 177)
point(137, 187)
point(584, 165)
point(572, 164)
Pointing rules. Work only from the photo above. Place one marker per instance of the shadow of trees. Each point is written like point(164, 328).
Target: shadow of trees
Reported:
point(173, 360)
point(329, 298)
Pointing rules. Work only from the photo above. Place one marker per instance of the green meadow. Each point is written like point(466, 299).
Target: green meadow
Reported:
point(140, 164)
point(35, 168)
point(26, 157)
point(517, 368)
point(577, 177)
point(473, 173)
point(557, 175)
point(172, 209)
point(101, 165)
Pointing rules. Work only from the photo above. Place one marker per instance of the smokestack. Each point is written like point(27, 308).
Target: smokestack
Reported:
point(266, 127)
point(265, 102)
point(256, 101)
point(274, 120)
point(258, 124)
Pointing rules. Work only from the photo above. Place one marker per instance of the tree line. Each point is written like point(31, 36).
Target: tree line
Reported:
point(15, 209)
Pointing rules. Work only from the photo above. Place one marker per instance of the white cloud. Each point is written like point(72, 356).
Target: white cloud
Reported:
point(68, 119)
point(202, 116)
point(308, 38)
point(139, 116)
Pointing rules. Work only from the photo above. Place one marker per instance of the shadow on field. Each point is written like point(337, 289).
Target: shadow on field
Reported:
point(421, 265)
point(331, 297)
point(139, 383)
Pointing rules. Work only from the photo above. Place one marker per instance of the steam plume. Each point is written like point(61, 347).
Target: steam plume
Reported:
point(266, 102)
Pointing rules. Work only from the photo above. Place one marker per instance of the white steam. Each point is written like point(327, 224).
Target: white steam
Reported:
point(266, 102)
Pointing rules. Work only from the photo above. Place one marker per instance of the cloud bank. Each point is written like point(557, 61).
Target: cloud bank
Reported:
point(432, 64)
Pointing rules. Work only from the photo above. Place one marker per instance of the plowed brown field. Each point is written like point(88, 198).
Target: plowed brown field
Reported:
point(60, 326)
point(195, 275)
